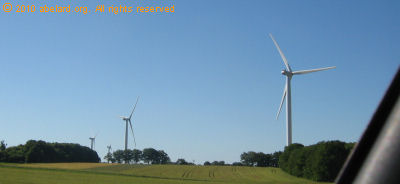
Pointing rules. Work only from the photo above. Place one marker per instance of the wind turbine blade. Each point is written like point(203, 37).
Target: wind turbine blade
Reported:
point(281, 53)
point(313, 70)
point(130, 123)
point(134, 107)
point(280, 106)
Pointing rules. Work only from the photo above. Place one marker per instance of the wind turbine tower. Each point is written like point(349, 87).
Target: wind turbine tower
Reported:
point(92, 142)
point(128, 121)
point(287, 91)
point(109, 148)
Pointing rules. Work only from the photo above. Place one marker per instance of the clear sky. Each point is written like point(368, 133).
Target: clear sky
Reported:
point(208, 74)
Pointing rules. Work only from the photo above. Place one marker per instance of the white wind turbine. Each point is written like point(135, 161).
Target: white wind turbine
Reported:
point(287, 91)
point(128, 120)
point(92, 142)
point(109, 155)
point(109, 148)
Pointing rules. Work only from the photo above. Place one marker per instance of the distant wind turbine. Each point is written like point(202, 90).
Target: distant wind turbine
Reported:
point(92, 142)
point(287, 91)
point(109, 155)
point(109, 148)
point(128, 121)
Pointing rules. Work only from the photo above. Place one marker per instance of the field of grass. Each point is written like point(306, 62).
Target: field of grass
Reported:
point(118, 173)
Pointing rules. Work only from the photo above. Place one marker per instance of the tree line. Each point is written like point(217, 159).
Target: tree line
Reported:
point(253, 159)
point(260, 159)
point(147, 155)
point(214, 163)
point(40, 151)
point(319, 162)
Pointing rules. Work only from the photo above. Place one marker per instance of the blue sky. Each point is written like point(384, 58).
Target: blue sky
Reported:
point(208, 74)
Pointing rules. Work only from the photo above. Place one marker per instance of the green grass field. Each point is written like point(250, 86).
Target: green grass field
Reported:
point(89, 173)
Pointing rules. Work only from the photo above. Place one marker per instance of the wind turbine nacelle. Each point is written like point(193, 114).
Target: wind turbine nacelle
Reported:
point(287, 73)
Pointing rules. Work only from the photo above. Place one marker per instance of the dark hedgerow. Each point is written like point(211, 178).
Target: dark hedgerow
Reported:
point(319, 162)
point(44, 152)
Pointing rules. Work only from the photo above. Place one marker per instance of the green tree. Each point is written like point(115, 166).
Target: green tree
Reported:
point(218, 163)
point(2, 152)
point(275, 159)
point(137, 155)
point(150, 155)
point(263, 160)
point(237, 164)
point(39, 152)
point(207, 163)
point(319, 162)
point(118, 156)
point(109, 158)
point(296, 162)
point(244, 158)
point(15, 154)
point(284, 158)
point(330, 157)
point(3, 146)
point(249, 158)
point(310, 164)
point(128, 156)
point(181, 161)
point(163, 157)
point(259, 159)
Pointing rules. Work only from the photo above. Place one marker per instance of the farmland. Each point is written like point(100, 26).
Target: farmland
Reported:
point(118, 173)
